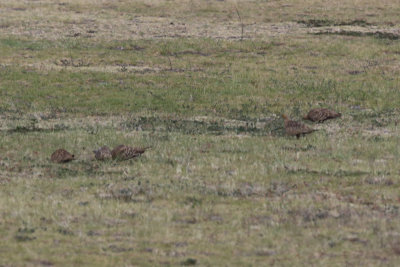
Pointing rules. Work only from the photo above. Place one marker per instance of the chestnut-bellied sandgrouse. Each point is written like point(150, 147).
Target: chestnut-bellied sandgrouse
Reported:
point(296, 128)
point(321, 114)
point(123, 152)
point(103, 153)
point(61, 156)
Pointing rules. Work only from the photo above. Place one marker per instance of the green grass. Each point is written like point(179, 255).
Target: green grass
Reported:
point(222, 183)
point(196, 76)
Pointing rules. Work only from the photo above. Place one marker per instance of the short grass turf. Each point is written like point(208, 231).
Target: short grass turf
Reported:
point(221, 184)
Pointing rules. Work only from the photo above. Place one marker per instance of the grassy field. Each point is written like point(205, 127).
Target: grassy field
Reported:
point(204, 83)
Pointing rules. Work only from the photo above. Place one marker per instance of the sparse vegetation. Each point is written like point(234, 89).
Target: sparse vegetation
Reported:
point(222, 184)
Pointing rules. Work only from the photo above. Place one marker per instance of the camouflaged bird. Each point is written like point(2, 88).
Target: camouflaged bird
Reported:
point(123, 152)
point(321, 114)
point(61, 156)
point(296, 128)
point(103, 153)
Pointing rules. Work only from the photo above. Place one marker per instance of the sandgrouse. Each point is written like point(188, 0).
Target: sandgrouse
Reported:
point(61, 156)
point(123, 152)
point(103, 153)
point(296, 128)
point(321, 114)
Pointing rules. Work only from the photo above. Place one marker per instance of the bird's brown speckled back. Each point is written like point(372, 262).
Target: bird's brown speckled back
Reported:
point(321, 114)
point(123, 152)
point(296, 128)
point(103, 153)
point(61, 156)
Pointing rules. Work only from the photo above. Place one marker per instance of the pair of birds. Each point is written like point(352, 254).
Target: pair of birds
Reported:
point(298, 129)
point(121, 152)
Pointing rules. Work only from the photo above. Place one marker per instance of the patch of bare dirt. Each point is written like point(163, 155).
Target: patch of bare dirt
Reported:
point(54, 22)
point(148, 28)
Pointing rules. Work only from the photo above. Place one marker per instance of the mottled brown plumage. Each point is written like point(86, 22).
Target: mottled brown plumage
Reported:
point(296, 128)
point(103, 153)
point(61, 156)
point(123, 152)
point(321, 114)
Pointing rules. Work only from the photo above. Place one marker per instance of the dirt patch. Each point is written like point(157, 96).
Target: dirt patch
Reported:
point(93, 27)
point(132, 20)
point(47, 66)
point(48, 22)
point(151, 28)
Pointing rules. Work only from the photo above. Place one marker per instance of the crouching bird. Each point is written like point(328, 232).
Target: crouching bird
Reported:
point(321, 114)
point(103, 153)
point(123, 152)
point(61, 156)
point(295, 128)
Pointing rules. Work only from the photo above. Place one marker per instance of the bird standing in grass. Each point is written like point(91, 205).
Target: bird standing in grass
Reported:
point(103, 153)
point(61, 156)
point(123, 152)
point(321, 114)
point(296, 128)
